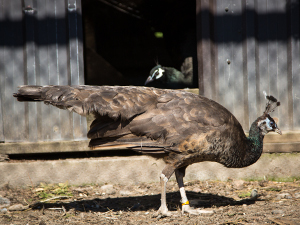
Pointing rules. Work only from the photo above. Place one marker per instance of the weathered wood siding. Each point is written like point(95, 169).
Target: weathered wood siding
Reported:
point(40, 43)
point(246, 47)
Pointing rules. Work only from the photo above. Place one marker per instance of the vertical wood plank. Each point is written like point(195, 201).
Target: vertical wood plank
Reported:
point(249, 48)
point(272, 7)
point(44, 120)
point(61, 40)
point(42, 62)
point(214, 51)
point(237, 60)
point(205, 45)
point(257, 63)
point(289, 61)
point(76, 58)
point(73, 41)
point(30, 65)
point(62, 62)
point(80, 42)
point(54, 121)
point(262, 61)
point(50, 116)
point(282, 74)
point(2, 70)
point(14, 113)
point(18, 68)
point(223, 27)
point(295, 65)
point(199, 22)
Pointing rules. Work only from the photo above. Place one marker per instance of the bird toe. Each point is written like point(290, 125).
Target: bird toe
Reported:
point(195, 211)
point(163, 212)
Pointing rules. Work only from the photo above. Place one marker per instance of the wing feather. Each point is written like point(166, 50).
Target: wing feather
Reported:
point(166, 118)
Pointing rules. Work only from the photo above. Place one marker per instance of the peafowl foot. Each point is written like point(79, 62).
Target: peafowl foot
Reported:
point(163, 212)
point(195, 211)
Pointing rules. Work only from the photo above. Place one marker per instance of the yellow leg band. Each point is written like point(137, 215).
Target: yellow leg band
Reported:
point(186, 203)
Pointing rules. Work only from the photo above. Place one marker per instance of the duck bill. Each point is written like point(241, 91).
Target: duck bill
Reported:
point(278, 131)
point(149, 79)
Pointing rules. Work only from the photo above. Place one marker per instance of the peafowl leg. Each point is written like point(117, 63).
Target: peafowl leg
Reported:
point(184, 200)
point(164, 177)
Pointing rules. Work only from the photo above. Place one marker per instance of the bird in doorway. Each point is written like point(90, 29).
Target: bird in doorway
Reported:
point(169, 77)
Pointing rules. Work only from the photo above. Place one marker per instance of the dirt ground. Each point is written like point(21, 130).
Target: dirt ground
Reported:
point(231, 203)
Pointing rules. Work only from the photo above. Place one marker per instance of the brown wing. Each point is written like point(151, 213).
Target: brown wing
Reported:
point(138, 116)
point(180, 115)
point(113, 106)
point(113, 101)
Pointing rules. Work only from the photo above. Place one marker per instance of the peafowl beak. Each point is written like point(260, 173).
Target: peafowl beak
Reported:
point(278, 131)
point(149, 79)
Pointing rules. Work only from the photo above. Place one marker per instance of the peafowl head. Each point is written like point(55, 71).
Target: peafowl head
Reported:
point(266, 123)
point(156, 73)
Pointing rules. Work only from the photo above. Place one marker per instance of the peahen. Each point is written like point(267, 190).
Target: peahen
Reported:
point(169, 77)
point(180, 127)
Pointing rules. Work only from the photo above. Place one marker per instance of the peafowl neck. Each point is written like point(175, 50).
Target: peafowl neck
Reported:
point(174, 75)
point(254, 145)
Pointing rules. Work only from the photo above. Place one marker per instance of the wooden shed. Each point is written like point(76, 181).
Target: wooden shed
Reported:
point(239, 49)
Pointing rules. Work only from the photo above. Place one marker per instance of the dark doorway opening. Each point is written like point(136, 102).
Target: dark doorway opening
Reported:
point(125, 39)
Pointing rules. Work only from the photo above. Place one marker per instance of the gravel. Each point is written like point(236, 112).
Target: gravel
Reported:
point(137, 204)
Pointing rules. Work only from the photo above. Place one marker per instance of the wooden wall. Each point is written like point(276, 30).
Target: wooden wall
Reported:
point(246, 48)
point(41, 43)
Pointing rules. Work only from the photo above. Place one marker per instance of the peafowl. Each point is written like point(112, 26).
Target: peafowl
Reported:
point(177, 126)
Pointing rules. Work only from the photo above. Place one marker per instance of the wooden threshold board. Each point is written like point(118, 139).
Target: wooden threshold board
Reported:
point(273, 143)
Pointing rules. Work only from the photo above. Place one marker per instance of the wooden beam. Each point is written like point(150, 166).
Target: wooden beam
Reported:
point(286, 137)
point(281, 147)
point(271, 145)
point(44, 147)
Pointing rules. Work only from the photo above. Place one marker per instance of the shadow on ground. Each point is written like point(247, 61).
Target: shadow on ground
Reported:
point(143, 203)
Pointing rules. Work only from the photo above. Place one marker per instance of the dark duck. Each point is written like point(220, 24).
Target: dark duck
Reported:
point(177, 126)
